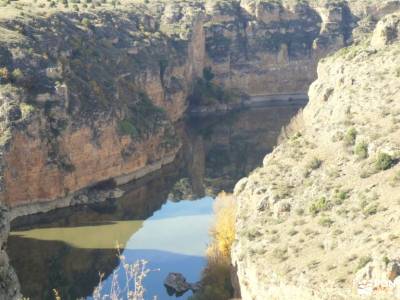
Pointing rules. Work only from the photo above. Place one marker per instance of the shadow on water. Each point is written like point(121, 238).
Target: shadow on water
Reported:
point(67, 248)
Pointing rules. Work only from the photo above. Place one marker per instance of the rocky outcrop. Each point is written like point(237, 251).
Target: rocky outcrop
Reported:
point(9, 286)
point(319, 219)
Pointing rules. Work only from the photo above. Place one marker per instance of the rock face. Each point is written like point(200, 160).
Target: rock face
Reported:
point(320, 218)
point(93, 97)
point(9, 286)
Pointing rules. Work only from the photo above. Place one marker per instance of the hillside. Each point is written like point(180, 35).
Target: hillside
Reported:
point(320, 218)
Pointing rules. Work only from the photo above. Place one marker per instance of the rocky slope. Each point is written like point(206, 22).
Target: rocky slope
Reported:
point(90, 94)
point(320, 219)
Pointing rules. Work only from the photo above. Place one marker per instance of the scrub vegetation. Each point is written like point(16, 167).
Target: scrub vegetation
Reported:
point(216, 279)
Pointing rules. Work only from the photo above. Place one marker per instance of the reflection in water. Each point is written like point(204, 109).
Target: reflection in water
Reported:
point(227, 148)
point(174, 239)
point(66, 249)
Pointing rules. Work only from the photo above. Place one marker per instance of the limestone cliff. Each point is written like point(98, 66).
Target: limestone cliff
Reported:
point(91, 94)
point(320, 218)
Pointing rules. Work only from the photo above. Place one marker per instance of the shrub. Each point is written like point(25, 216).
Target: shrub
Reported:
point(86, 22)
point(208, 74)
point(134, 275)
point(4, 75)
point(313, 164)
point(216, 280)
point(370, 210)
point(383, 162)
point(17, 75)
point(350, 137)
point(340, 196)
point(223, 232)
point(207, 93)
point(361, 150)
point(26, 109)
point(363, 261)
point(125, 127)
point(326, 222)
point(320, 205)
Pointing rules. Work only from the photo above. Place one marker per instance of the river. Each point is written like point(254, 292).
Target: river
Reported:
point(163, 218)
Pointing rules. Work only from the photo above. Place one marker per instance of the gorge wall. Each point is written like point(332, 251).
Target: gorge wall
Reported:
point(89, 95)
point(92, 96)
point(320, 218)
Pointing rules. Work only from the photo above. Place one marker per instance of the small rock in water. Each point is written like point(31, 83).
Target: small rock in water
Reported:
point(176, 283)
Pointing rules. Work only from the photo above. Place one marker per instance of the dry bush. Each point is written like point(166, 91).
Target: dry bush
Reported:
point(134, 275)
point(223, 231)
point(216, 278)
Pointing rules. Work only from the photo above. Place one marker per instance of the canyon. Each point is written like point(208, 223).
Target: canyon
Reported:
point(92, 98)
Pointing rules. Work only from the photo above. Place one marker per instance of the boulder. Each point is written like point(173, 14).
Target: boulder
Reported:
point(177, 283)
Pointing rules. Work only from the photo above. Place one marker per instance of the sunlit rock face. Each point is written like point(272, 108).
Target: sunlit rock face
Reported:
point(319, 218)
point(94, 97)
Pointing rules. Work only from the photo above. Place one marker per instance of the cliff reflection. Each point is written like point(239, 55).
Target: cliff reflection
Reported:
point(66, 249)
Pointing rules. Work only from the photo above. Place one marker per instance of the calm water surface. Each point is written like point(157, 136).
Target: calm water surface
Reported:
point(67, 248)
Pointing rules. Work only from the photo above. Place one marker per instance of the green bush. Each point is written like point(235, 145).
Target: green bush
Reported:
point(361, 150)
point(17, 74)
point(340, 196)
point(207, 93)
point(86, 22)
point(350, 137)
point(125, 127)
point(383, 162)
point(320, 205)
